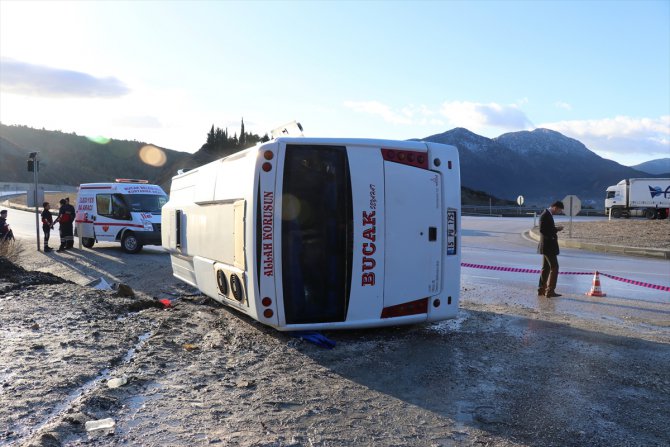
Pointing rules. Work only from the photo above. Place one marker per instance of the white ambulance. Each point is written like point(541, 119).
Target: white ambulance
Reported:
point(127, 211)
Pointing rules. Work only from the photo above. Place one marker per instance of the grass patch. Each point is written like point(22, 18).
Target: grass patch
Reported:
point(11, 250)
point(52, 197)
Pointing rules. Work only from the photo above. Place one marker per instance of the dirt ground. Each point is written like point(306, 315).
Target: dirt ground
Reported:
point(199, 374)
point(641, 233)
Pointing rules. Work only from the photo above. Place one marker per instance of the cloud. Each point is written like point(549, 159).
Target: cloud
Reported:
point(562, 105)
point(622, 135)
point(27, 79)
point(471, 115)
point(476, 116)
point(379, 109)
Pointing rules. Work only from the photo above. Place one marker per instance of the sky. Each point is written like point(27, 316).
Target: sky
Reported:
point(165, 72)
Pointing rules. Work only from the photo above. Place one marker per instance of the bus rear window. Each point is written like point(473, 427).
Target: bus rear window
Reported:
point(316, 234)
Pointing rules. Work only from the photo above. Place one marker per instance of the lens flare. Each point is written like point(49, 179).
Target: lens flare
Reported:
point(153, 156)
point(98, 139)
point(290, 207)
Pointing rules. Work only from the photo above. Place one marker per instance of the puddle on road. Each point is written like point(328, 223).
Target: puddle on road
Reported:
point(449, 326)
point(135, 404)
point(73, 396)
point(131, 352)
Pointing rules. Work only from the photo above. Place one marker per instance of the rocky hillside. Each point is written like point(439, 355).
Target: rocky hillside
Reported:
point(542, 165)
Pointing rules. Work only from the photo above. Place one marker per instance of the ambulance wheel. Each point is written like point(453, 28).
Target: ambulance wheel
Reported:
point(130, 244)
point(87, 242)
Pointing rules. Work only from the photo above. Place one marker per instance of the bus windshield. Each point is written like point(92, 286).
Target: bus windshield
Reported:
point(145, 203)
point(317, 234)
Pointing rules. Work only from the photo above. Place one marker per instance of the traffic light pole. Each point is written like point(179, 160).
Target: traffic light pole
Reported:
point(37, 212)
point(35, 168)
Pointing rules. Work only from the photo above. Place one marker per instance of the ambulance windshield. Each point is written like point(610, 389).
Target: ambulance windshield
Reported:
point(145, 203)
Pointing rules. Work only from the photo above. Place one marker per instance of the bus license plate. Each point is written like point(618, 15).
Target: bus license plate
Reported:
point(451, 231)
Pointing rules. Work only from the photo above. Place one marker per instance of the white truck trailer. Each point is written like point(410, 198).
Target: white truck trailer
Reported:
point(648, 197)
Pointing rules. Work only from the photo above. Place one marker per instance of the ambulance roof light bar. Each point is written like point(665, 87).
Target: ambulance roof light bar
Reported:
point(130, 180)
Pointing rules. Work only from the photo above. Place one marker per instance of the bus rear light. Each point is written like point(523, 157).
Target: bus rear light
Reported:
point(410, 308)
point(268, 155)
point(267, 313)
point(267, 301)
point(409, 158)
point(267, 167)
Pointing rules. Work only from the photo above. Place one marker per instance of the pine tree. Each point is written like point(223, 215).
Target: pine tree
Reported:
point(243, 136)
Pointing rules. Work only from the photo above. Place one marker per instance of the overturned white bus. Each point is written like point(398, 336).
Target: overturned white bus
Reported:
point(306, 233)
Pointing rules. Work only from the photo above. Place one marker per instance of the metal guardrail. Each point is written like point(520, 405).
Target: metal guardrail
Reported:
point(519, 211)
point(16, 186)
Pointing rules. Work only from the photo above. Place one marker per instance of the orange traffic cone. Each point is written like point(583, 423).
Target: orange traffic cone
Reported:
point(595, 288)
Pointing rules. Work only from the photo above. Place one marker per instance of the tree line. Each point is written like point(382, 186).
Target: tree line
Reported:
point(219, 140)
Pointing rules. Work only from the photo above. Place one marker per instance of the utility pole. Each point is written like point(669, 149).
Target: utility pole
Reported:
point(34, 167)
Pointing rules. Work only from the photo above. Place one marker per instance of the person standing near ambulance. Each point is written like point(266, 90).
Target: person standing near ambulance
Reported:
point(47, 225)
point(6, 233)
point(65, 219)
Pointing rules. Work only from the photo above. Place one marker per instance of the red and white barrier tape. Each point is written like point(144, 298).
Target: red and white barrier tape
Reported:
point(537, 271)
point(637, 283)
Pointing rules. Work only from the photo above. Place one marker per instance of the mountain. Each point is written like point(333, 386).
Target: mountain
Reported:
point(542, 165)
point(660, 166)
point(70, 159)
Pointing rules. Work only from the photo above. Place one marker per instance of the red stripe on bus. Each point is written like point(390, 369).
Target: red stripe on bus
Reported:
point(411, 308)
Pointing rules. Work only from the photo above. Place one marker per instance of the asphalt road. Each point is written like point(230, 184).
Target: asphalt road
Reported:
point(498, 242)
point(513, 369)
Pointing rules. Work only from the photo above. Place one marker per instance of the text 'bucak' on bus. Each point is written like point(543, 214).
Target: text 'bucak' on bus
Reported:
point(306, 233)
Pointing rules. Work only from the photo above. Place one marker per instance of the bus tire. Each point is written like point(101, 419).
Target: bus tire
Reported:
point(87, 242)
point(650, 213)
point(130, 243)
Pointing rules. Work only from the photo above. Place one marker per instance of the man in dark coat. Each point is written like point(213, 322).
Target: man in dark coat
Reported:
point(548, 248)
point(47, 225)
point(65, 219)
